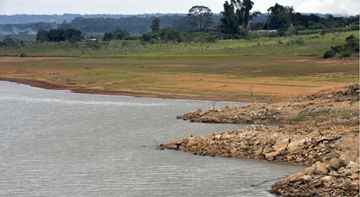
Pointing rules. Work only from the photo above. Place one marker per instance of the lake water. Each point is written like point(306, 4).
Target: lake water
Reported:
point(57, 143)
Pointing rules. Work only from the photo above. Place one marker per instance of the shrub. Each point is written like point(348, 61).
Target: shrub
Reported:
point(352, 43)
point(329, 53)
point(345, 53)
point(22, 55)
point(171, 35)
point(116, 35)
point(350, 47)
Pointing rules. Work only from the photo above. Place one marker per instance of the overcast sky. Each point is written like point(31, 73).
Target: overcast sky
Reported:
point(163, 6)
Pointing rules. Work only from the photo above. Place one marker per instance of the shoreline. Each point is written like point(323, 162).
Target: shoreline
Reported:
point(320, 132)
point(81, 90)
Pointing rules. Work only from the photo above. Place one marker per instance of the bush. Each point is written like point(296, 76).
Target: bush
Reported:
point(11, 43)
point(352, 43)
point(22, 55)
point(199, 37)
point(116, 35)
point(329, 53)
point(171, 35)
point(345, 53)
point(350, 47)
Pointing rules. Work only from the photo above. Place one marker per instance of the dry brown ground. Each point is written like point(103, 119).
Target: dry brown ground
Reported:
point(234, 79)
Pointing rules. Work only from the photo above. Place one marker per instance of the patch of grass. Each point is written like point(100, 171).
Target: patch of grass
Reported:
point(304, 45)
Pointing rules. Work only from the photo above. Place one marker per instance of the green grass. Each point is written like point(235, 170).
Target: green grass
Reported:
point(313, 45)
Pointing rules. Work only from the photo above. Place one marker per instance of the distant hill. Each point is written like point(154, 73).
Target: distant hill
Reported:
point(27, 18)
point(135, 24)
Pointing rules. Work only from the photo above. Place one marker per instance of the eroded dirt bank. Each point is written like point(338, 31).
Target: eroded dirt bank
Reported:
point(320, 131)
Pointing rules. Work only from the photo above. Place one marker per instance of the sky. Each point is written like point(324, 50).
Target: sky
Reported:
point(348, 7)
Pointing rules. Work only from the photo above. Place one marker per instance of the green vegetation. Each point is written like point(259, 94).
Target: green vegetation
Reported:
point(305, 45)
point(200, 18)
point(350, 48)
point(155, 25)
point(116, 35)
point(59, 35)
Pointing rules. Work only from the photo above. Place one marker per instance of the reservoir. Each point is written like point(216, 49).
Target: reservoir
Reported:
point(58, 143)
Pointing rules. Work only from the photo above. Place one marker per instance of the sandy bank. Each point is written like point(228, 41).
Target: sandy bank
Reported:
point(84, 90)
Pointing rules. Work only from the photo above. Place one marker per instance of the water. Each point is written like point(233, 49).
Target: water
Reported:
point(57, 143)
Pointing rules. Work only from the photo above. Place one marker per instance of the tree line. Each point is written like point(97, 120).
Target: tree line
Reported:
point(200, 24)
point(59, 35)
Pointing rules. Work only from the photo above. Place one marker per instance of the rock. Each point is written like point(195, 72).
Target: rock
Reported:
point(327, 179)
point(310, 170)
point(171, 146)
point(335, 164)
point(307, 177)
point(296, 145)
point(317, 140)
point(279, 148)
point(320, 168)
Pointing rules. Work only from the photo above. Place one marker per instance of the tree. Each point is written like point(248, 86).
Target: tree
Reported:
point(121, 34)
point(72, 35)
point(229, 21)
point(246, 8)
point(108, 36)
point(42, 36)
point(280, 17)
point(243, 9)
point(56, 35)
point(235, 15)
point(116, 35)
point(170, 35)
point(155, 25)
point(10, 42)
point(201, 17)
point(59, 35)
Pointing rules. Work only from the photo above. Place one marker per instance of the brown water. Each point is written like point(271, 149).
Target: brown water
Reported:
point(56, 143)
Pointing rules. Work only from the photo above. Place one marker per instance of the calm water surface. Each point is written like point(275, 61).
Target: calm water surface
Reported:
point(57, 143)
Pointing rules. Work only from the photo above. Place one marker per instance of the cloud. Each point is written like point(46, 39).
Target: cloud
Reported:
point(330, 6)
point(164, 6)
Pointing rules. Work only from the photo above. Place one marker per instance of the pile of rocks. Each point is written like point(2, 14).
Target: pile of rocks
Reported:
point(327, 176)
point(316, 131)
point(350, 93)
point(252, 114)
point(331, 178)
point(256, 143)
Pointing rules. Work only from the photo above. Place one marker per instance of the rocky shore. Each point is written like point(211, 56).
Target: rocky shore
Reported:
point(320, 131)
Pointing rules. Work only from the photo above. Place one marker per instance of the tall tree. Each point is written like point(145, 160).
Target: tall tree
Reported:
point(280, 17)
point(243, 8)
point(229, 21)
point(246, 8)
point(237, 13)
point(201, 17)
point(155, 25)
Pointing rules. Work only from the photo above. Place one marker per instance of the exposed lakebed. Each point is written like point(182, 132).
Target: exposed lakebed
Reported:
point(57, 143)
